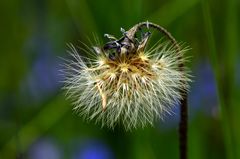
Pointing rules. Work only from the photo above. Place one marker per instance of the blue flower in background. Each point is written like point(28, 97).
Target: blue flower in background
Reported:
point(44, 149)
point(171, 120)
point(93, 149)
point(203, 95)
point(43, 78)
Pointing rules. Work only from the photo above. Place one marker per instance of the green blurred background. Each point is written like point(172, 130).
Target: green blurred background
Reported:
point(36, 122)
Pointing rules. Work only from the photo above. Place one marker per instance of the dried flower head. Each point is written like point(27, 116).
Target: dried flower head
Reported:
point(125, 82)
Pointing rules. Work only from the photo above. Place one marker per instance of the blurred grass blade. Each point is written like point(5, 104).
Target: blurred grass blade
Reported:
point(172, 10)
point(231, 47)
point(35, 128)
point(81, 13)
point(215, 60)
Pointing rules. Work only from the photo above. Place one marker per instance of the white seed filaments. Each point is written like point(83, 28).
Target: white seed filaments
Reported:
point(131, 89)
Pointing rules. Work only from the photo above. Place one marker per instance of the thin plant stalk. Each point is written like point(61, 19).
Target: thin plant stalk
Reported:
point(183, 128)
point(183, 124)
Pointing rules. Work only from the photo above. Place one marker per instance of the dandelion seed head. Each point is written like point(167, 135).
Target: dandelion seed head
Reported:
point(132, 89)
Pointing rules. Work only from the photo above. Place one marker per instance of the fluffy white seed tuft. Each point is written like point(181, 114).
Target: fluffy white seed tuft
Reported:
point(132, 91)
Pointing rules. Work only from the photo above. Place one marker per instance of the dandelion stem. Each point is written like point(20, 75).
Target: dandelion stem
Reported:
point(183, 124)
point(183, 128)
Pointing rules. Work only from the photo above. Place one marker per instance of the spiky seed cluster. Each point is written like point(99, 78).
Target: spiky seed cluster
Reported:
point(132, 90)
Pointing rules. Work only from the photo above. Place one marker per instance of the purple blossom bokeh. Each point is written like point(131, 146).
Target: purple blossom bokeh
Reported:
point(201, 98)
point(93, 149)
point(44, 149)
